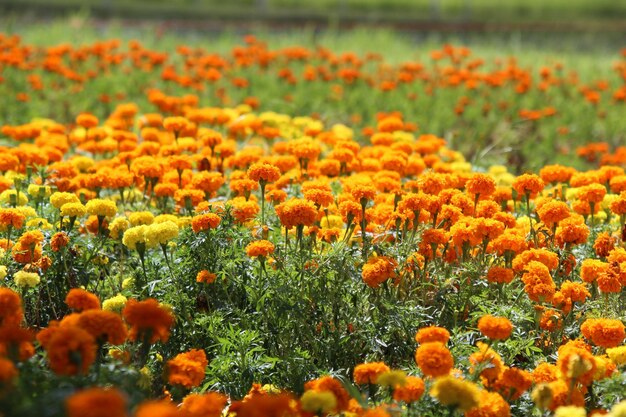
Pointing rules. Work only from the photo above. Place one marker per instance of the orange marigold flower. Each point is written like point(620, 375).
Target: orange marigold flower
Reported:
point(11, 217)
point(148, 320)
point(490, 404)
point(104, 326)
point(321, 198)
point(296, 212)
point(434, 359)
point(158, 408)
point(562, 395)
point(606, 333)
point(205, 222)
point(512, 383)
point(482, 185)
point(590, 269)
point(377, 270)
point(368, 373)
point(496, 328)
point(500, 275)
point(8, 371)
point(609, 281)
point(87, 120)
point(553, 212)
point(58, 241)
point(545, 372)
point(262, 172)
point(209, 404)
point(411, 391)
point(187, 369)
point(78, 300)
point(70, 349)
point(334, 386)
point(206, 277)
point(10, 307)
point(556, 173)
point(604, 244)
point(488, 361)
point(432, 334)
point(16, 342)
point(538, 282)
point(592, 193)
point(261, 248)
point(551, 320)
point(572, 231)
point(363, 193)
point(528, 184)
point(96, 402)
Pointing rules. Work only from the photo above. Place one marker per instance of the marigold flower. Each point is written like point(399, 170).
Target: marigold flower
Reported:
point(8, 371)
point(26, 279)
point(206, 277)
point(262, 172)
point(115, 304)
point(451, 391)
point(134, 235)
point(606, 333)
point(209, 404)
point(368, 373)
point(261, 248)
point(10, 307)
point(377, 270)
point(296, 212)
point(104, 326)
point(318, 402)
point(553, 212)
point(538, 282)
point(160, 233)
point(490, 404)
point(148, 320)
point(434, 359)
point(330, 384)
point(70, 349)
point(617, 355)
point(79, 300)
point(205, 222)
point(482, 185)
point(157, 408)
point(411, 391)
point(496, 328)
point(512, 383)
point(528, 184)
point(96, 402)
point(187, 369)
point(488, 361)
point(73, 210)
point(432, 334)
point(11, 217)
point(572, 231)
point(500, 275)
point(101, 208)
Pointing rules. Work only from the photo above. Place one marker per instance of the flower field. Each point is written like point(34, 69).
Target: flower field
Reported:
point(300, 231)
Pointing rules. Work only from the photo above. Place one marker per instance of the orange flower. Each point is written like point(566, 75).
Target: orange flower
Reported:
point(262, 172)
point(158, 408)
point(495, 328)
point(209, 404)
point(206, 277)
point(377, 270)
point(96, 402)
point(10, 307)
point(528, 184)
point(11, 217)
point(261, 248)
point(79, 300)
point(434, 359)
point(330, 384)
point(512, 383)
point(16, 342)
point(58, 241)
point(553, 212)
point(432, 334)
point(368, 373)
point(556, 173)
point(488, 361)
point(572, 231)
point(499, 275)
point(71, 350)
point(411, 391)
point(104, 326)
point(490, 404)
point(8, 371)
point(538, 282)
point(296, 212)
point(205, 222)
point(606, 333)
point(480, 185)
point(149, 321)
point(187, 369)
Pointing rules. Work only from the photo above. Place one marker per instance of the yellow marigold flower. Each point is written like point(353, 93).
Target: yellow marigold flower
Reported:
point(101, 207)
point(452, 391)
point(11, 197)
point(616, 354)
point(392, 378)
point(115, 304)
point(570, 411)
point(26, 279)
point(39, 190)
point(3, 271)
point(127, 283)
point(141, 217)
point(618, 410)
point(160, 233)
point(320, 402)
point(59, 199)
point(134, 235)
point(542, 396)
point(118, 226)
point(39, 223)
point(73, 210)
point(162, 218)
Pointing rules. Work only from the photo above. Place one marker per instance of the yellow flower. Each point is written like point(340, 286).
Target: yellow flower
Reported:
point(134, 235)
point(141, 217)
point(115, 304)
point(58, 199)
point(162, 218)
point(318, 402)
point(542, 396)
point(617, 355)
point(101, 207)
point(127, 283)
point(3, 271)
point(26, 279)
point(118, 226)
point(618, 410)
point(73, 210)
point(160, 233)
point(392, 378)
point(452, 391)
point(39, 190)
point(82, 163)
point(11, 197)
point(39, 223)
point(27, 211)
point(570, 411)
